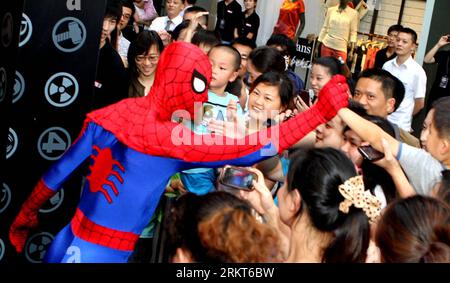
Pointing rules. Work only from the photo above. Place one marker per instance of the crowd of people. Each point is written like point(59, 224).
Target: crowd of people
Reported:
point(360, 187)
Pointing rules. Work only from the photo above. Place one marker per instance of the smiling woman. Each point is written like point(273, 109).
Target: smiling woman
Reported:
point(143, 57)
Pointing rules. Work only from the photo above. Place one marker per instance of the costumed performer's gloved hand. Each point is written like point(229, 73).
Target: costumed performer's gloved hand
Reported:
point(27, 217)
point(332, 97)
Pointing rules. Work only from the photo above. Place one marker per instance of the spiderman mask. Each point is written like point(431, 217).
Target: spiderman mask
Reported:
point(182, 78)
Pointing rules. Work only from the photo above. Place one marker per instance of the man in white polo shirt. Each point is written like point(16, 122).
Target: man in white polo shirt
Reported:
point(412, 76)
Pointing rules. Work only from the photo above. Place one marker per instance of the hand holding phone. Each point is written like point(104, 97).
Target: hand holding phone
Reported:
point(369, 153)
point(237, 177)
point(304, 95)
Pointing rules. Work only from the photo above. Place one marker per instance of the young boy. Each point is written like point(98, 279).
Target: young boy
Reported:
point(225, 61)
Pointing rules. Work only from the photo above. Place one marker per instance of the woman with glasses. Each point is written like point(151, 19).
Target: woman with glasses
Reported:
point(143, 56)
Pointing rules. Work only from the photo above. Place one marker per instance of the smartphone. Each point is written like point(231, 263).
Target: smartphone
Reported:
point(448, 38)
point(237, 177)
point(370, 153)
point(213, 111)
point(304, 95)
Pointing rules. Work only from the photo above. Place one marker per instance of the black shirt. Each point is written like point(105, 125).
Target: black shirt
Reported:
point(248, 25)
point(381, 58)
point(441, 84)
point(111, 82)
point(228, 18)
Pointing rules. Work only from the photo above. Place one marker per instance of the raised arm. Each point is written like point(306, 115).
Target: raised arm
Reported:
point(367, 130)
point(181, 143)
point(393, 167)
point(429, 57)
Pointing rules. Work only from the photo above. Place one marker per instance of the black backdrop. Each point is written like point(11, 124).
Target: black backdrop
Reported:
point(10, 15)
point(54, 78)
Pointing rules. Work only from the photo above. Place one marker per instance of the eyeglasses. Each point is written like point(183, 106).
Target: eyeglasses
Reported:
point(126, 16)
point(152, 58)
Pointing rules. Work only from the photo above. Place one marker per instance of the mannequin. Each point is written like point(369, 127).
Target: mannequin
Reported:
point(339, 31)
point(291, 20)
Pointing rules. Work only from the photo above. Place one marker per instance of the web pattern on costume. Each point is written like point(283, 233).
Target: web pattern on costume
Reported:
point(153, 135)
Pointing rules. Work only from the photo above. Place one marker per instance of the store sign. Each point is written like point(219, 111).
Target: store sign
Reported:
point(304, 51)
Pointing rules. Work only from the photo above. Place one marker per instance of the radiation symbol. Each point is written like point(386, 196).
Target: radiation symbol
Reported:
point(37, 246)
point(61, 89)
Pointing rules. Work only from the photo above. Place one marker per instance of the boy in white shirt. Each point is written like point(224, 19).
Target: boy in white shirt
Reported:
point(225, 61)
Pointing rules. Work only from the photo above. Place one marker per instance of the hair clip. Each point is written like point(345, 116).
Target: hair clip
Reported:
point(354, 194)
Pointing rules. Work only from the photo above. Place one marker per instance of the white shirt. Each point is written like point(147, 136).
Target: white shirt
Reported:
point(124, 44)
point(414, 79)
point(160, 23)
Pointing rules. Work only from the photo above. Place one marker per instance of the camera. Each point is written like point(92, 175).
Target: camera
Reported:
point(237, 177)
point(370, 153)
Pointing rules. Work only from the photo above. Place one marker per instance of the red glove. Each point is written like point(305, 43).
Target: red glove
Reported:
point(332, 97)
point(27, 217)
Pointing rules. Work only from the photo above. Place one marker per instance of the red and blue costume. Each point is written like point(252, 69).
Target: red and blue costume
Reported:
point(134, 152)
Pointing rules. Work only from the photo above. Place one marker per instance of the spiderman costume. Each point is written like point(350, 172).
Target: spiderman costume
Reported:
point(134, 151)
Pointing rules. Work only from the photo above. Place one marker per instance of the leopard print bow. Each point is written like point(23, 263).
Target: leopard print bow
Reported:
point(354, 194)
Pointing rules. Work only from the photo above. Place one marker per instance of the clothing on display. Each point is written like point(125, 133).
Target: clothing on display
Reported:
point(365, 52)
point(339, 28)
point(289, 18)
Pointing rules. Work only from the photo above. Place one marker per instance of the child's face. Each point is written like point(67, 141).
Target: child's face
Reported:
point(264, 102)
point(223, 70)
